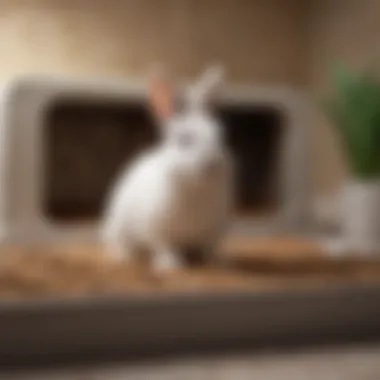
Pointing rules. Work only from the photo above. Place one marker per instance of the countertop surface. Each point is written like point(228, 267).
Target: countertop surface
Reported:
point(338, 363)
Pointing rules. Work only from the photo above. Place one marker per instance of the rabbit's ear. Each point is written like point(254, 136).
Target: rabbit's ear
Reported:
point(207, 86)
point(161, 95)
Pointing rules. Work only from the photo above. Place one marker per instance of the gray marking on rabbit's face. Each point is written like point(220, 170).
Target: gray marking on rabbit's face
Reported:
point(196, 145)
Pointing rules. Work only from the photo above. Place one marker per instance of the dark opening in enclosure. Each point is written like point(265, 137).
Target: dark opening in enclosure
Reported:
point(254, 136)
point(86, 144)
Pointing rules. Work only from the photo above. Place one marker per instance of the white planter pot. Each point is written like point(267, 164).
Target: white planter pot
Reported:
point(361, 217)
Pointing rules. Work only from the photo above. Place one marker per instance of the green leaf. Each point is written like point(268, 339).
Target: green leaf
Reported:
point(355, 113)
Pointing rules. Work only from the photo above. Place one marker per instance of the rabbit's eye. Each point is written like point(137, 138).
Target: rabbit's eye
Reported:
point(186, 140)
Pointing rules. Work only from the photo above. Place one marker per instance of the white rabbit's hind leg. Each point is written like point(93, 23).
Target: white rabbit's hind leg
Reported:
point(165, 260)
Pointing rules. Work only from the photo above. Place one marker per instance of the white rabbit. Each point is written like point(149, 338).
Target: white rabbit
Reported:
point(178, 194)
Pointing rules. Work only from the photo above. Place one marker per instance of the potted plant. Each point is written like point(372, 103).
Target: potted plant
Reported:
point(355, 112)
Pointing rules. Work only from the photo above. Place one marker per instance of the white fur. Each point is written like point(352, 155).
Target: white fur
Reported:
point(166, 199)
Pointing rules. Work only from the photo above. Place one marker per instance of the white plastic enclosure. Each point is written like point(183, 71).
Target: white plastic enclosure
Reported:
point(24, 105)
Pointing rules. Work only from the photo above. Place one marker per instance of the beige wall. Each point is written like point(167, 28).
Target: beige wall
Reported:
point(341, 31)
point(269, 41)
point(259, 40)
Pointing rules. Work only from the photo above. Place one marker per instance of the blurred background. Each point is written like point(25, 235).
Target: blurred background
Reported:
point(271, 42)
